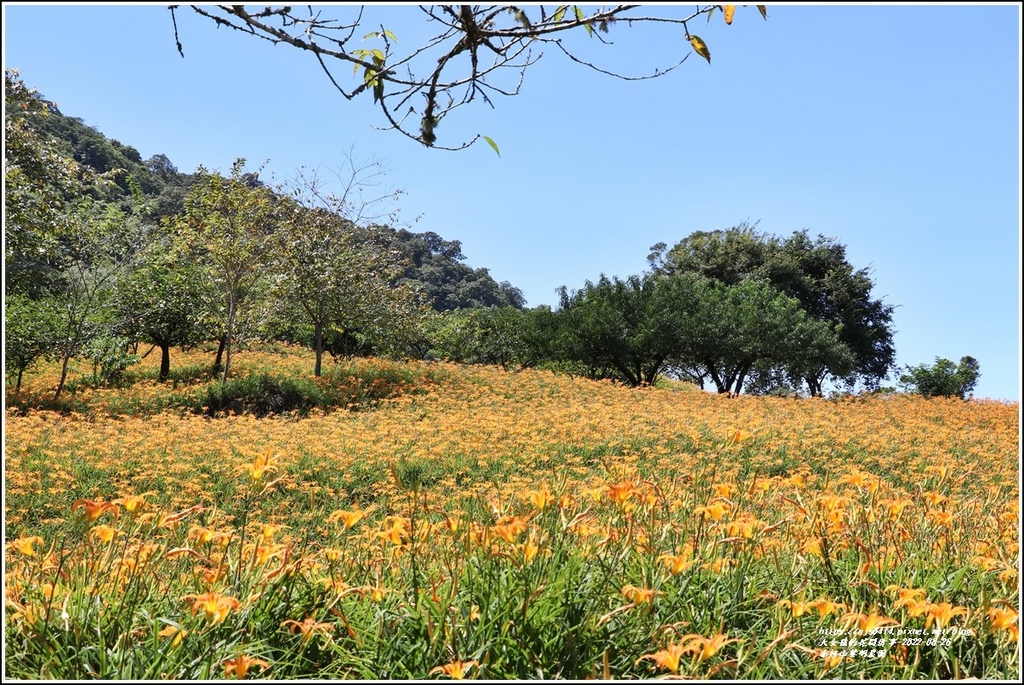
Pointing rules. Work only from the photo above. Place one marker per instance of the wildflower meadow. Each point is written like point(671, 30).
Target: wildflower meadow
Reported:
point(451, 522)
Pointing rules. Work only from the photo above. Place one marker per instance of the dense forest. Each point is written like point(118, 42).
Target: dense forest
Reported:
point(107, 252)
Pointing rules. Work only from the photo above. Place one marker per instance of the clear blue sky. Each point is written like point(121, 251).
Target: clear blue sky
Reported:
point(894, 129)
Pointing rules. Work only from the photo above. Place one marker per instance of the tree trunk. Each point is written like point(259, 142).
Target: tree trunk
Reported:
point(165, 362)
point(318, 345)
point(218, 362)
point(63, 376)
point(227, 338)
point(17, 386)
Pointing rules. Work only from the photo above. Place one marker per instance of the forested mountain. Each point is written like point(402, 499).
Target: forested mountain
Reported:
point(435, 265)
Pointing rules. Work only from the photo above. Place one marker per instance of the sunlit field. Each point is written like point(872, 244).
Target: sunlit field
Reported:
point(465, 522)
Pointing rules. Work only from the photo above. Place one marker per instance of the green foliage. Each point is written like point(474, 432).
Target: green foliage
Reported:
point(331, 280)
point(30, 332)
point(266, 394)
point(943, 379)
point(109, 357)
point(165, 301)
point(435, 266)
point(479, 336)
point(816, 273)
point(627, 329)
point(227, 226)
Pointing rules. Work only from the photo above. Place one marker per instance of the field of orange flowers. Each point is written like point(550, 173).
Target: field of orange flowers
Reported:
point(524, 525)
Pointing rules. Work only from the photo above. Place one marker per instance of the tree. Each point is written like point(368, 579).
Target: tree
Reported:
point(30, 331)
point(629, 328)
point(944, 378)
point(106, 244)
point(165, 301)
point(41, 185)
point(817, 273)
point(491, 336)
point(749, 327)
point(476, 52)
point(228, 224)
point(332, 279)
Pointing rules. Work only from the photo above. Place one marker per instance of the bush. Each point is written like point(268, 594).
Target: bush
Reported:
point(262, 395)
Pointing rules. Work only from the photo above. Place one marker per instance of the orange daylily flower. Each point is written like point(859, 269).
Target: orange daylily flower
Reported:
point(456, 669)
point(259, 467)
point(1000, 618)
point(737, 436)
point(639, 595)
point(714, 511)
point(826, 607)
point(94, 508)
point(798, 608)
point(706, 647)
point(26, 545)
point(241, 664)
point(103, 533)
point(131, 503)
point(540, 498)
point(868, 622)
point(676, 563)
point(667, 658)
point(349, 517)
point(308, 627)
point(941, 614)
point(215, 606)
point(175, 633)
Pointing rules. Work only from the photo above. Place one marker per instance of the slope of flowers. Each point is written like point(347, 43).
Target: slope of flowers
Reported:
point(516, 525)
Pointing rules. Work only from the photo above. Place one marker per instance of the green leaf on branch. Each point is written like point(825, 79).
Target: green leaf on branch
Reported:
point(490, 141)
point(700, 47)
point(581, 17)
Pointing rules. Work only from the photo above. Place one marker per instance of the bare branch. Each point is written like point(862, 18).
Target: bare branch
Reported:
point(494, 39)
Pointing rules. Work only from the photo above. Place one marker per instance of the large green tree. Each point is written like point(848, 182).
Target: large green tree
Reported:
point(736, 329)
point(166, 300)
point(631, 328)
point(814, 271)
point(228, 224)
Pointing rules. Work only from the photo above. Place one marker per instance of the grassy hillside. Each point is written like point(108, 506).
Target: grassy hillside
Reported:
point(449, 521)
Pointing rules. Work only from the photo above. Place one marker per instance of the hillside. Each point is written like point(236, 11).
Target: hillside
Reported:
point(517, 524)
point(435, 265)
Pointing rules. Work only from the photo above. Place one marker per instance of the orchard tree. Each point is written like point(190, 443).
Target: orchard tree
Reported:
point(944, 378)
point(30, 333)
point(106, 244)
point(475, 52)
point(741, 328)
point(166, 301)
point(228, 225)
point(815, 272)
point(630, 328)
point(336, 281)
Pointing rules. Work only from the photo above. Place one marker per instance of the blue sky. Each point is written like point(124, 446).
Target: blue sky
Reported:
point(894, 129)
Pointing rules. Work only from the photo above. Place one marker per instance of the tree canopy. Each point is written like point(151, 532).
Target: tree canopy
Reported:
point(814, 271)
point(944, 378)
point(476, 52)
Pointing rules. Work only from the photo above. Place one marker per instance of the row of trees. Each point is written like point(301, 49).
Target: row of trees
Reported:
point(732, 310)
point(94, 272)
